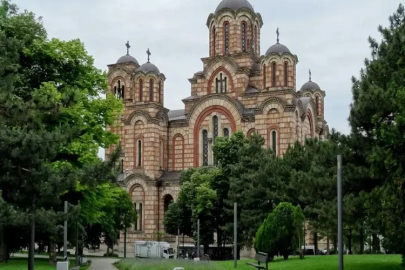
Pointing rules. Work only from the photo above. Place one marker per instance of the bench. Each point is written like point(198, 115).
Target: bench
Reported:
point(260, 257)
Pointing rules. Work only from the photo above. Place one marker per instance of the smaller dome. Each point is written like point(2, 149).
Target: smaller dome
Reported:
point(310, 86)
point(234, 5)
point(277, 48)
point(127, 59)
point(148, 67)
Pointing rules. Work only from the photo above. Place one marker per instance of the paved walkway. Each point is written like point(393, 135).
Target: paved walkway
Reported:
point(103, 264)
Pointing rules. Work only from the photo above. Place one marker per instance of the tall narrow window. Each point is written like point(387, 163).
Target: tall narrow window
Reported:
point(123, 92)
point(140, 216)
point(214, 35)
point(264, 76)
point(136, 222)
point(226, 38)
point(139, 153)
point(215, 126)
point(140, 90)
point(256, 41)
point(274, 141)
point(317, 105)
point(151, 86)
point(161, 155)
point(226, 132)
point(160, 92)
point(273, 71)
point(221, 84)
point(205, 147)
point(286, 74)
point(244, 37)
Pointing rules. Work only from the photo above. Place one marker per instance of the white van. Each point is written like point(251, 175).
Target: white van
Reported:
point(150, 249)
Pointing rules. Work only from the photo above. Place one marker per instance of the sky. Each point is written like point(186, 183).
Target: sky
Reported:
point(328, 36)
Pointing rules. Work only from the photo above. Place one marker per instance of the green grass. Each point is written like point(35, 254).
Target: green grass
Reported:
point(40, 264)
point(353, 262)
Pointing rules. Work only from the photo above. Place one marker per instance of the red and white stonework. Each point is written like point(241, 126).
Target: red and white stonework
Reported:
point(238, 89)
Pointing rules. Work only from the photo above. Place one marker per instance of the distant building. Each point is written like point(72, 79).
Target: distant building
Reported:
point(238, 89)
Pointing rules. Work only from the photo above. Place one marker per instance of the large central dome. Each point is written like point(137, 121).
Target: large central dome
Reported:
point(234, 5)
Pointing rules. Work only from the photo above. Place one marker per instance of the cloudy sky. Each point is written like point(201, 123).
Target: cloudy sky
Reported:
point(329, 37)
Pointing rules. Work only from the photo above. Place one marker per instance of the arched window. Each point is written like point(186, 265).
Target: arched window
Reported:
point(215, 126)
point(264, 77)
point(160, 92)
point(136, 222)
point(226, 132)
point(139, 153)
point(140, 90)
point(256, 41)
point(205, 147)
point(317, 105)
point(119, 90)
point(286, 74)
point(274, 141)
point(226, 38)
point(244, 37)
point(273, 71)
point(151, 86)
point(221, 84)
point(214, 35)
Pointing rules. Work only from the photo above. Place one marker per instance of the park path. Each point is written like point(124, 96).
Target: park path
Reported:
point(103, 264)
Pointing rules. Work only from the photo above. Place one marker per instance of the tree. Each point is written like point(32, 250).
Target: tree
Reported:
point(52, 116)
point(281, 232)
point(382, 82)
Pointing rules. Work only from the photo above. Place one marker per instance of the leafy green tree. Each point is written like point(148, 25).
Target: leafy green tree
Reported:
point(281, 232)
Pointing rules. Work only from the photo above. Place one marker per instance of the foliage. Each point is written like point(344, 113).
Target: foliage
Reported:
point(281, 232)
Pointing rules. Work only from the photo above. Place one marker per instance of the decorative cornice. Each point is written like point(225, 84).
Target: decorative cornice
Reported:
point(271, 100)
point(214, 60)
point(118, 67)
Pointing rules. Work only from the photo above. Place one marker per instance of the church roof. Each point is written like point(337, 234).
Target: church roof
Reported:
point(148, 67)
point(305, 101)
point(310, 86)
point(251, 89)
point(127, 59)
point(277, 48)
point(176, 115)
point(234, 5)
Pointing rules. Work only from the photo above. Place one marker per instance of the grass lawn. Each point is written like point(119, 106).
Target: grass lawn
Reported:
point(40, 264)
point(353, 262)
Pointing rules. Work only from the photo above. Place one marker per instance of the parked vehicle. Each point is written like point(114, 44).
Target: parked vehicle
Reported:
point(150, 249)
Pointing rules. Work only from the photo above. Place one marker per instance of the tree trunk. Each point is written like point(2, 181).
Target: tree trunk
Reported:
point(349, 239)
point(335, 243)
point(285, 255)
point(108, 251)
point(327, 245)
point(52, 252)
point(361, 241)
point(376, 243)
point(3, 246)
point(316, 243)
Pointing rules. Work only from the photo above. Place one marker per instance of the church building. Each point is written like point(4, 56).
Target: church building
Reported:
point(238, 88)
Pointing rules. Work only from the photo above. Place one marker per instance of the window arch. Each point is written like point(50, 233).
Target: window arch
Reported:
point(274, 141)
point(139, 152)
point(221, 83)
point(205, 147)
point(244, 36)
point(213, 44)
point(286, 73)
point(264, 76)
point(141, 90)
point(151, 86)
point(273, 71)
point(226, 38)
point(160, 92)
